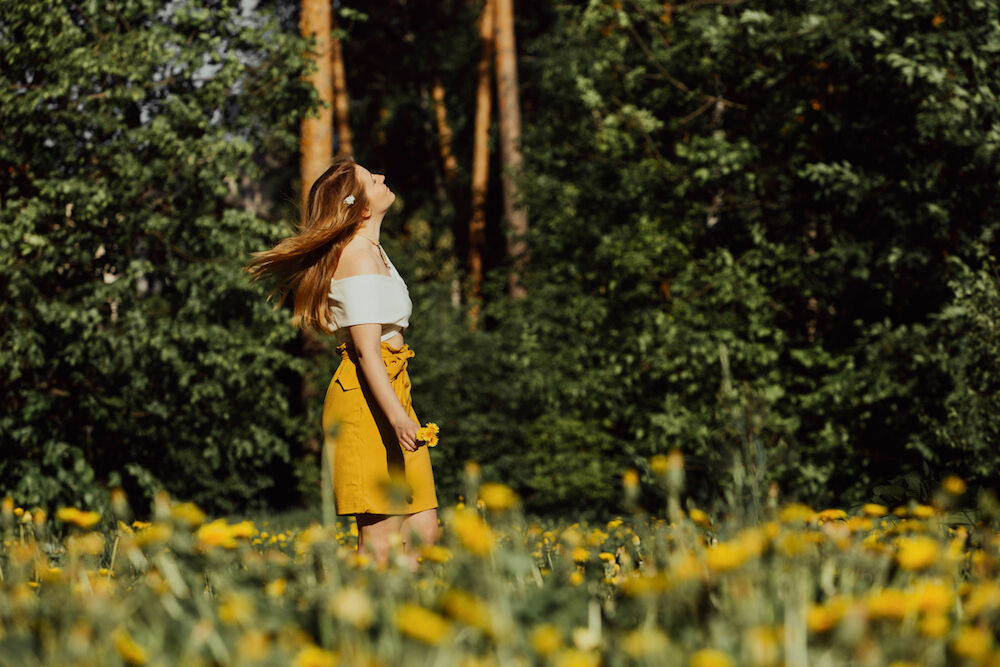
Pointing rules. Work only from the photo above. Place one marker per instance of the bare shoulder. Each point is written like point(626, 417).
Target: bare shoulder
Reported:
point(356, 260)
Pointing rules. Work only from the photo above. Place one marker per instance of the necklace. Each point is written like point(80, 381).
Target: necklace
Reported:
point(385, 260)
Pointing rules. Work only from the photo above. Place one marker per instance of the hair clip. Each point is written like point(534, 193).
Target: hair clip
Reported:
point(349, 199)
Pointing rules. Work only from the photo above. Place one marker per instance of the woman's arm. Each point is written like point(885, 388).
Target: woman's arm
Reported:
point(368, 345)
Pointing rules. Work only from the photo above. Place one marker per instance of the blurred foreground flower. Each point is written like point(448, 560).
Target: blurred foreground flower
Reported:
point(422, 624)
point(498, 497)
point(78, 517)
point(473, 532)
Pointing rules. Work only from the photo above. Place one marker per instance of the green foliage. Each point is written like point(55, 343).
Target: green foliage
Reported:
point(742, 221)
point(133, 350)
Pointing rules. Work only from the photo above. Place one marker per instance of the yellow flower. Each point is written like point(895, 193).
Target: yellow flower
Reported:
point(831, 515)
point(353, 606)
point(934, 597)
point(435, 553)
point(917, 553)
point(422, 624)
point(888, 603)
point(708, 657)
point(935, 625)
point(469, 609)
point(190, 513)
point(498, 497)
point(796, 512)
point(152, 533)
point(726, 556)
point(253, 645)
point(659, 464)
point(78, 517)
point(922, 511)
point(128, 649)
point(572, 657)
point(314, 656)
point(984, 597)
point(215, 534)
point(428, 434)
point(236, 608)
point(874, 509)
point(630, 478)
point(88, 543)
point(822, 618)
point(576, 578)
point(953, 485)
point(277, 587)
point(580, 555)
point(640, 643)
point(700, 517)
point(973, 643)
point(242, 529)
point(473, 532)
point(546, 639)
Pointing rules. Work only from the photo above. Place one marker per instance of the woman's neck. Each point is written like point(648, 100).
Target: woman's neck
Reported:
point(372, 227)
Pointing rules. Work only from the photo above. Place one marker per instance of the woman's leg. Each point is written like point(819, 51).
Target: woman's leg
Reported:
point(419, 530)
point(373, 534)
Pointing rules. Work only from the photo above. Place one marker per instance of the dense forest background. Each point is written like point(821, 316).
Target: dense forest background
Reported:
point(763, 233)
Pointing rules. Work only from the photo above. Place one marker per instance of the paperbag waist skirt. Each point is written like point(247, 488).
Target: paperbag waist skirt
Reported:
point(372, 472)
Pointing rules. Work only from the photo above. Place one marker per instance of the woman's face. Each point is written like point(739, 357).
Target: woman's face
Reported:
point(380, 197)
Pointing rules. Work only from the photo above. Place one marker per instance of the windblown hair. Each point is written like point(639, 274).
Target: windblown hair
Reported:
point(303, 263)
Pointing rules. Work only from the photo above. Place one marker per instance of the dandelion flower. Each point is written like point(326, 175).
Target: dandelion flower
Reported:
point(216, 534)
point(428, 434)
point(498, 497)
point(954, 485)
point(78, 517)
point(314, 656)
point(546, 639)
point(972, 643)
point(641, 643)
point(874, 509)
point(189, 513)
point(917, 553)
point(711, 658)
point(422, 624)
point(473, 532)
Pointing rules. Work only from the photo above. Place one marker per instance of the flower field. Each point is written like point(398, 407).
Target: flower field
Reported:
point(912, 585)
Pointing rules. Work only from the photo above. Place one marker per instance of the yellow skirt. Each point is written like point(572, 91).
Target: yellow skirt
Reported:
point(372, 472)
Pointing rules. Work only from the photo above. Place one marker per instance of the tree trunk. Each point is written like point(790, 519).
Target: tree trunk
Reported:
point(316, 138)
point(480, 162)
point(510, 140)
point(316, 148)
point(340, 97)
point(444, 131)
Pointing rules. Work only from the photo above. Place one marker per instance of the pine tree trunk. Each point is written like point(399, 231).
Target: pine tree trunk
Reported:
point(340, 97)
point(316, 148)
point(480, 162)
point(444, 131)
point(316, 138)
point(510, 139)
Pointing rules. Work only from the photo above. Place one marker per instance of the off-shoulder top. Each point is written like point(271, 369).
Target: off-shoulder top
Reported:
point(370, 298)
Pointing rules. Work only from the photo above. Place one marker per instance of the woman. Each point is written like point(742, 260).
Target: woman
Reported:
point(345, 284)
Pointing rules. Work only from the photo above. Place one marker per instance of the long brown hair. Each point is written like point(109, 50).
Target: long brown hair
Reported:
point(304, 262)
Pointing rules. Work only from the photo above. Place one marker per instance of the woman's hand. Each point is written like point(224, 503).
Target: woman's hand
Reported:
point(406, 432)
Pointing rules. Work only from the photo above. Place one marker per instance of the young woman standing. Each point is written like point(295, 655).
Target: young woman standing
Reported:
point(344, 284)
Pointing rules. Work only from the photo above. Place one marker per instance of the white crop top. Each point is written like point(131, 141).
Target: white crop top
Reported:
point(370, 298)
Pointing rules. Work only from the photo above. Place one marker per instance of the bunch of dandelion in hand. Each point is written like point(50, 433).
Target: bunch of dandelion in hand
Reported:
point(428, 434)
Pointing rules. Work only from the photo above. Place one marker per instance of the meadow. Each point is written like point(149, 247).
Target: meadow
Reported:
point(910, 585)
